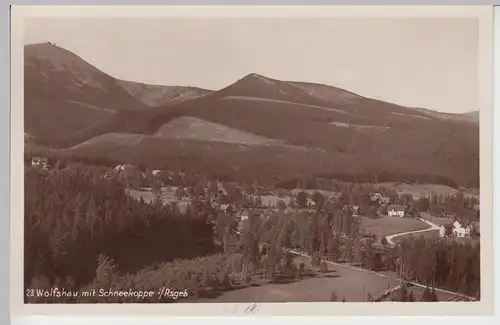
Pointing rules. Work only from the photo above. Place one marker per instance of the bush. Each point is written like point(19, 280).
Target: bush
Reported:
point(323, 268)
point(224, 280)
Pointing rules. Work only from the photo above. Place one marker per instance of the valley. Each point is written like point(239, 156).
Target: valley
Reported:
point(263, 190)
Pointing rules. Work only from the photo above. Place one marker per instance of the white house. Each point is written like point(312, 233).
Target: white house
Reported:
point(311, 203)
point(119, 168)
point(442, 231)
point(355, 210)
point(243, 215)
point(396, 211)
point(156, 172)
point(39, 162)
point(460, 231)
point(377, 197)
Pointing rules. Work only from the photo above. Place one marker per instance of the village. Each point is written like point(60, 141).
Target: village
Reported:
point(368, 223)
point(154, 184)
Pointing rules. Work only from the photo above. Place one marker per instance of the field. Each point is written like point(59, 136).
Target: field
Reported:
point(386, 225)
point(167, 196)
point(311, 192)
point(272, 200)
point(428, 235)
point(437, 220)
point(416, 189)
point(347, 283)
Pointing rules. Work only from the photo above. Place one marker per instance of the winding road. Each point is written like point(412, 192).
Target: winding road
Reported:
point(433, 226)
point(389, 238)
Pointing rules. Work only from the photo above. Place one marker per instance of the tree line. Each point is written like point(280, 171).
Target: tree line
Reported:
point(74, 214)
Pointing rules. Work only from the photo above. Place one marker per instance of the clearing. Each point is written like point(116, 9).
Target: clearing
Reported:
point(326, 194)
point(428, 235)
point(167, 196)
point(347, 283)
point(437, 220)
point(198, 129)
point(416, 190)
point(386, 225)
point(271, 200)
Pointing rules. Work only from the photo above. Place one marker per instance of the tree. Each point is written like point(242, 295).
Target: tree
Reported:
point(156, 189)
point(370, 261)
point(402, 295)
point(179, 192)
point(426, 295)
point(424, 204)
point(249, 189)
point(224, 280)
point(370, 211)
point(249, 243)
point(302, 199)
point(258, 201)
point(212, 190)
point(190, 191)
point(357, 250)
point(414, 211)
point(281, 205)
point(433, 295)
point(318, 199)
point(384, 241)
point(323, 268)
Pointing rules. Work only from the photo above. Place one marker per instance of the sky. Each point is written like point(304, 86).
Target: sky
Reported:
point(418, 62)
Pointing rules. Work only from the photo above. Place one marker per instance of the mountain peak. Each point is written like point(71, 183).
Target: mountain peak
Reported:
point(257, 76)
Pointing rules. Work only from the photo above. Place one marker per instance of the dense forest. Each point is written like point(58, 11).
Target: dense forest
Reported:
point(445, 264)
point(271, 169)
point(73, 215)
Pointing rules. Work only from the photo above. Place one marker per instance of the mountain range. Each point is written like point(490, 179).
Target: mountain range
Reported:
point(255, 126)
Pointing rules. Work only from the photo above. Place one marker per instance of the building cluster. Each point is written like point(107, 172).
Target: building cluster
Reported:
point(460, 229)
point(40, 162)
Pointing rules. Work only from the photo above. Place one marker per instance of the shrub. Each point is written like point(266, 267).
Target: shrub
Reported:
point(323, 268)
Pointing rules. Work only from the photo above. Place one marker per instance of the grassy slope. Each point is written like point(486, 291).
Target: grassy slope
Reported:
point(211, 157)
point(198, 129)
point(422, 147)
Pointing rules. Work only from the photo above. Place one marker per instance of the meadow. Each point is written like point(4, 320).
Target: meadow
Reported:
point(386, 225)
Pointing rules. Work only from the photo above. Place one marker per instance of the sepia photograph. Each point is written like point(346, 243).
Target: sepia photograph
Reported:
point(198, 159)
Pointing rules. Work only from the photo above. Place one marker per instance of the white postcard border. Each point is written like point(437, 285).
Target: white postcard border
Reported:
point(484, 307)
